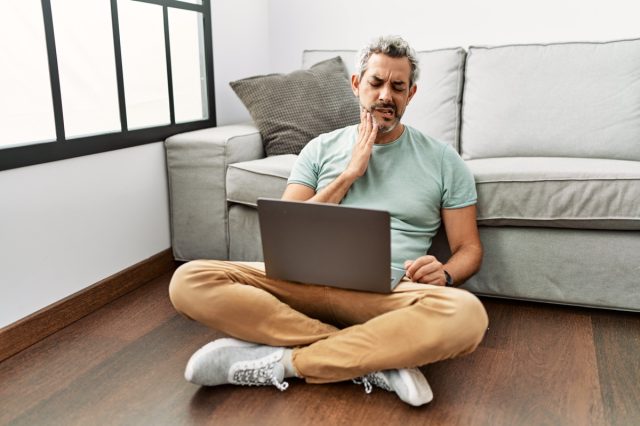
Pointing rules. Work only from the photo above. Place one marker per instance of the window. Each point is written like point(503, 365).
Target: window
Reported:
point(86, 65)
point(189, 83)
point(88, 76)
point(144, 63)
point(24, 77)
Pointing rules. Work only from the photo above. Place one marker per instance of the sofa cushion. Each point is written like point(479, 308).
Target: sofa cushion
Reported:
point(558, 192)
point(435, 108)
point(292, 109)
point(555, 100)
point(266, 177)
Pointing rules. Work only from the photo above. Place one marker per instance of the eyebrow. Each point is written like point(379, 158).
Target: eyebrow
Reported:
point(395, 82)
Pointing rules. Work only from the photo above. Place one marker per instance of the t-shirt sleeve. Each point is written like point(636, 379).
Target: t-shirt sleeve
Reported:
point(459, 186)
point(305, 169)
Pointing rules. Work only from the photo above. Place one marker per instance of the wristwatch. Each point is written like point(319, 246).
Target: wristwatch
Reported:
point(448, 279)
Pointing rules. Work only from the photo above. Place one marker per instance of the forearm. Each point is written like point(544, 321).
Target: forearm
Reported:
point(336, 190)
point(360, 155)
point(464, 263)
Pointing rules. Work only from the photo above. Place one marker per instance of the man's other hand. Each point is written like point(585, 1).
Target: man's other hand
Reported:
point(425, 270)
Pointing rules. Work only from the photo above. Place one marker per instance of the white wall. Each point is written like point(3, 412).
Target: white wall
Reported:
point(295, 25)
point(240, 49)
point(68, 224)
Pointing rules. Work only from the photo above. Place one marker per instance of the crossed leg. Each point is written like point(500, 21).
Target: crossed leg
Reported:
point(336, 334)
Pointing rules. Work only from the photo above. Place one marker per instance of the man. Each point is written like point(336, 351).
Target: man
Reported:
point(326, 334)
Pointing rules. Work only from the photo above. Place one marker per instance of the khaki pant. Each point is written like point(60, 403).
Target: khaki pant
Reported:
point(336, 334)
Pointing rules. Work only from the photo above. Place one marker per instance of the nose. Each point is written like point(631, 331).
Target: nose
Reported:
point(385, 93)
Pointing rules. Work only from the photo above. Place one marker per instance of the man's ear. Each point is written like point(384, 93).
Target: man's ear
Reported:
point(355, 84)
point(412, 92)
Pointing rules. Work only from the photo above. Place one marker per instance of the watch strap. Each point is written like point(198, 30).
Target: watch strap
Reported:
point(448, 279)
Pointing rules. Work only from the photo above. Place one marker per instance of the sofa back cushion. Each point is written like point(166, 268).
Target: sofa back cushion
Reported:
point(435, 108)
point(554, 100)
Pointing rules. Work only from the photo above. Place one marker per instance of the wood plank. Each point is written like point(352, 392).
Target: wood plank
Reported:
point(617, 337)
point(27, 331)
point(52, 364)
point(537, 365)
point(144, 374)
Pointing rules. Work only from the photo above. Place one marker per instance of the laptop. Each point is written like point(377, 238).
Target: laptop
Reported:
point(327, 244)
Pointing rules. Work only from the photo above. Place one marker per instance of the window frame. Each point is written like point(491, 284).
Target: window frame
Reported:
point(61, 148)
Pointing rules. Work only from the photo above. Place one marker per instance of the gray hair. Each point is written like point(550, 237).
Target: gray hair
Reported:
point(393, 46)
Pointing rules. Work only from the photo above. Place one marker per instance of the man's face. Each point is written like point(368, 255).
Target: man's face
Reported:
point(384, 90)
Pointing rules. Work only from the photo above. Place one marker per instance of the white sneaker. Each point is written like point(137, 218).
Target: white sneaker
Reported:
point(408, 383)
point(236, 362)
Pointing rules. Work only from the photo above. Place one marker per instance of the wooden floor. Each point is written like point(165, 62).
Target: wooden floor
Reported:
point(123, 364)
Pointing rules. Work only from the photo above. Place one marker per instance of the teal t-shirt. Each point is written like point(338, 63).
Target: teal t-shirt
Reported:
point(412, 178)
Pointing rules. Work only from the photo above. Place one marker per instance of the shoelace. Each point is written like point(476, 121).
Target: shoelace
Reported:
point(259, 375)
point(371, 379)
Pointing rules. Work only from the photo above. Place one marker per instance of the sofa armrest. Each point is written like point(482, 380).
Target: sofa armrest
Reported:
point(197, 165)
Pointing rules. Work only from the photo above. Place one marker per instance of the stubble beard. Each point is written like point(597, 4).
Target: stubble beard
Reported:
point(384, 127)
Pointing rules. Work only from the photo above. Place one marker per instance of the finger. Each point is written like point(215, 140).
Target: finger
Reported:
point(373, 131)
point(367, 129)
point(427, 275)
point(407, 265)
point(418, 263)
point(363, 119)
point(373, 134)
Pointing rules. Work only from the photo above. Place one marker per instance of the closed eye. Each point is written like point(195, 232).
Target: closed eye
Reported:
point(399, 85)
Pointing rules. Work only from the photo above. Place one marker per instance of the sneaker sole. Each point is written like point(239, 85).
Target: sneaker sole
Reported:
point(208, 348)
point(420, 392)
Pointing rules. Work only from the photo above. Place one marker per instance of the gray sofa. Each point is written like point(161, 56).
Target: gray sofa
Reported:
point(550, 132)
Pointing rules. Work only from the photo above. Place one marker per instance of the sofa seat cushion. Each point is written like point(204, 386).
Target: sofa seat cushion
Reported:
point(558, 192)
point(266, 177)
